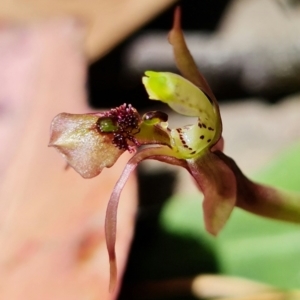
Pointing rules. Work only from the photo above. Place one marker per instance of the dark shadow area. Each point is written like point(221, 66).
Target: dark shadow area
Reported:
point(264, 66)
point(106, 85)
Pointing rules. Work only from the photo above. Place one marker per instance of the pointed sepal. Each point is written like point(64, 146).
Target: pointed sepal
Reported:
point(218, 185)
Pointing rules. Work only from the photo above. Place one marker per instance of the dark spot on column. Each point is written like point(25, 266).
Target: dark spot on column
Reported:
point(211, 129)
point(202, 137)
point(209, 140)
point(204, 125)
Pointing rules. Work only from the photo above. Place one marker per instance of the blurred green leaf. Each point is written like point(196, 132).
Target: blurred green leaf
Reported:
point(249, 246)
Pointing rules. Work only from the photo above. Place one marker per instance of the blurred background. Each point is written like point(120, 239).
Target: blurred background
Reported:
point(244, 48)
point(249, 51)
point(52, 238)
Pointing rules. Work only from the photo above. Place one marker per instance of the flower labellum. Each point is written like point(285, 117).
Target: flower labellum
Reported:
point(101, 137)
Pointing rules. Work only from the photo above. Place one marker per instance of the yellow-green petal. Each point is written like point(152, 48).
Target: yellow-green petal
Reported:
point(191, 140)
point(187, 99)
point(180, 94)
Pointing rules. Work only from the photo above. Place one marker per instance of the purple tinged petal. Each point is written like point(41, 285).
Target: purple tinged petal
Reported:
point(111, 221)
point(163, 154)
point(84, 147)
point(218, 184)
point(91, 142)
point(184, 60)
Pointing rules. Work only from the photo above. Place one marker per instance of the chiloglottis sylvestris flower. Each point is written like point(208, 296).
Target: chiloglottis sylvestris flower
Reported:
point(91, 142)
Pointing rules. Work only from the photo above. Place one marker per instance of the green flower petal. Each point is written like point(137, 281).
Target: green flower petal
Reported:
point(191, 140)
point(180, 94)
point(187, 99)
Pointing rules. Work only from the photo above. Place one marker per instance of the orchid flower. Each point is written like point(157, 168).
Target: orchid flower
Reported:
point(91, 142)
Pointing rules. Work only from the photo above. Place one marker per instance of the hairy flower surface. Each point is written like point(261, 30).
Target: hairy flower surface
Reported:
point(91, 142)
